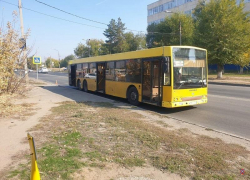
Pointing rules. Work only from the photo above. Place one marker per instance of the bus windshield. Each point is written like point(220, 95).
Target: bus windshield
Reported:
point(189, 68)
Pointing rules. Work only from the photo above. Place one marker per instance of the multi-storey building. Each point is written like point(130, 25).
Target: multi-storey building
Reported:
point(157, 10)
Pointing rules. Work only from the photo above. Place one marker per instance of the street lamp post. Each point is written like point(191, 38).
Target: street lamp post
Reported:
point(179, 23)
point(59, 59)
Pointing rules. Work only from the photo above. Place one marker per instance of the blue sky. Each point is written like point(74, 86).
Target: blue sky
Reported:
point(48, 34)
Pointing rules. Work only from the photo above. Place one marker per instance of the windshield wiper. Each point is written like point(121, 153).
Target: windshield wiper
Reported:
point(181, 84)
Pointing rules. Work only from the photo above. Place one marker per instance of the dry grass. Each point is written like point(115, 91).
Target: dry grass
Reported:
point(89, 134)
point(8, 109)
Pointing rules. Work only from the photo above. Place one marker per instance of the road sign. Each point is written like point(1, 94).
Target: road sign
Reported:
point(37, 60)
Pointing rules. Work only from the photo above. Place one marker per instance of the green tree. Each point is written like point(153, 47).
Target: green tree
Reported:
point(81, 51)
point(134, 42)
point(64, 62)
point(52, 63)
point(115, 35)
point(168, 31)
point(150, 37)
point(95, 47)
point(224, 30)
point(30, 63)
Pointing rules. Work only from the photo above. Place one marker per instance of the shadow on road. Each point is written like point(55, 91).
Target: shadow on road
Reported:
point(79, 96)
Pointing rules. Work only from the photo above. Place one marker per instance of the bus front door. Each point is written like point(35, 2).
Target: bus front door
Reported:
point(101, 77)
point(151, 82)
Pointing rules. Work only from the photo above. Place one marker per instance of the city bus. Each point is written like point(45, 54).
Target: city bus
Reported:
point(168, 76)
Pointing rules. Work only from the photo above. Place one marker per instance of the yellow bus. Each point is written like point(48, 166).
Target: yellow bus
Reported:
point(168, 76)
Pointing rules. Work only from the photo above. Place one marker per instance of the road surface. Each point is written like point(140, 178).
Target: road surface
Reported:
point(227, 110)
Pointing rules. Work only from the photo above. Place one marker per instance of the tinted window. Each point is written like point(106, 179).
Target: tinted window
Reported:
point(92, 68)
point(110, 71)
point(84, 69)
point(133, 73)
point(120, 71)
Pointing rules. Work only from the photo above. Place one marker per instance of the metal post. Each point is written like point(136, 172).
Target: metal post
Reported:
point(24, 50)
point(36, 71)
point(89, 47)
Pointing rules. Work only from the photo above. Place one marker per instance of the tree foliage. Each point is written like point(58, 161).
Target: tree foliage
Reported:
point(30, 63)
point(134, 42)
point(81, 51)
point(224, 30)
point(11, 58)
point(168, 32)
point(115, 35)
point(52, 63)
point(93, 47)
point(117, 41)
point(64, 62)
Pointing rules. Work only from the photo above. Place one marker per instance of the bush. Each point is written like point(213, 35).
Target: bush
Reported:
point(11, 57)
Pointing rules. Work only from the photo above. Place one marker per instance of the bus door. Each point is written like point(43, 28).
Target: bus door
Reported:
point(72, 75)
point(100, 77)
point(151, 81)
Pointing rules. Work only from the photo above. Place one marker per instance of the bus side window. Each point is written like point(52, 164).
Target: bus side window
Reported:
point(133, 73)
point(166, 71)
point(110, 71)
point(120, 71)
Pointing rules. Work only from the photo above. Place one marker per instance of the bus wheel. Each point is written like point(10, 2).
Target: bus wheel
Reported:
point(79, 85)
point(133, 96)
point(85, 86)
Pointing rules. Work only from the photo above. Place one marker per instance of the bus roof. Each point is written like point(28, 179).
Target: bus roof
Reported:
point(145, 53)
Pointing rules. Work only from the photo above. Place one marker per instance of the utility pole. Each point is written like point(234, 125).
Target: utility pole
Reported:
point(24, 49)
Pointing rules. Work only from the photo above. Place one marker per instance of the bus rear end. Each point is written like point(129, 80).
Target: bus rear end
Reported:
point(188, 84)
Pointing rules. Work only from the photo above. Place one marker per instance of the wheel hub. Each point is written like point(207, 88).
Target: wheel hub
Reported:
point(133, 96)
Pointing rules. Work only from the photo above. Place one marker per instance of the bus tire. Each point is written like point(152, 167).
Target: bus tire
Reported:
point(85, 86)
point(79, 85)
point(133, 96)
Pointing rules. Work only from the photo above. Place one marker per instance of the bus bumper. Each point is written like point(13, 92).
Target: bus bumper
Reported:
point(183, 103)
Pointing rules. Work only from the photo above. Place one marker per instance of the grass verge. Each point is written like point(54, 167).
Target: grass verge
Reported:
point(89, 134)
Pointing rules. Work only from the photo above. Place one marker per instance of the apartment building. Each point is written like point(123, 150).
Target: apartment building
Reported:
point(157, 10)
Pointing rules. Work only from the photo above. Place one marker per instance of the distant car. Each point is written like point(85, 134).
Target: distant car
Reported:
point(43, 70)
point(30, 70)
point(90, 76)
point(64, 68)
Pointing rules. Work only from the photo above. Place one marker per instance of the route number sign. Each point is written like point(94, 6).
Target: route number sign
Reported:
point(37, 60)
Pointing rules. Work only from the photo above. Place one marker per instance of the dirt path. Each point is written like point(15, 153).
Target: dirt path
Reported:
point(13, 132)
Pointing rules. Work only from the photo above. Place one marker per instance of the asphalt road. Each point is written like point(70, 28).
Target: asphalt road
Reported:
point(227, 110)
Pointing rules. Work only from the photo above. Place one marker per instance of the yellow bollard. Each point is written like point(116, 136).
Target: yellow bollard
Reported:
point(34, 174)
